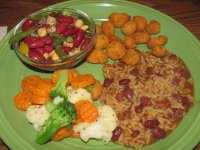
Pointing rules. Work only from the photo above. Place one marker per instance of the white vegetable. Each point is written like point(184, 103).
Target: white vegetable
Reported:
point(37, 115)
point(102, 128)
point(57, 100)
point(77, 95)
point(51, 21)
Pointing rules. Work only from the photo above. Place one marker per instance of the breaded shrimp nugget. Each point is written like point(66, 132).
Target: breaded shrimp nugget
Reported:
point(153, 27)
point(108, 28)
point(132, 57)
point(101, 41)
point(97, 56)
point(159, 51)
point(141, 22)
point(115, 50)
point(157, 41)
point(97, 90)
point(98, 29)
point(129, 42)
point(129, 27)
point(114, 38)
point(119, 19)
point(141, 37)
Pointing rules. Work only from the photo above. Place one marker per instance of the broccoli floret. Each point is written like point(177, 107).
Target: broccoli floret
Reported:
point(63, 115)
point(60, 88)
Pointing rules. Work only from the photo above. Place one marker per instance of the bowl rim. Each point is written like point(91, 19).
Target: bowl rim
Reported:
point(49, 63)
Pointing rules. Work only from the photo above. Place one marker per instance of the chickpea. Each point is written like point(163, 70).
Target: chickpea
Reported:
point(159, 51)
point(141, 37)
point(98, 29)
point(42, 32)
point(153, 27)
point(141, 22)
point(132, 57)
point(101, 41)
point(108, 28)
point(84, 27)
point(129, 27)
point(78, 23)
point(51, 21)
point(119, 19)
point(157, 41)
point(129, 42)
point(115, 50)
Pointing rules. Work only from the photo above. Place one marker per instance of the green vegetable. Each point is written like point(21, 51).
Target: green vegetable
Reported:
point(63, 115)
point(60, 88)
point(60, 52)
point(18, 37)
point(50, 106)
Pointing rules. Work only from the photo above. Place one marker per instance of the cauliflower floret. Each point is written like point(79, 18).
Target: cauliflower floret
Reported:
point(78, 94)
point(37, 115)
point(51, 21)
point(102, 128)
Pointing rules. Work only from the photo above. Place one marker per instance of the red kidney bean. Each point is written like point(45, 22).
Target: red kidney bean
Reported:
point(80, 35)
point(48, 39)
point(172, 57)
point(135, 133)
point(138, 109)
point(53, 14)
point(145, 101)
point(128, 93)
point(62, 26)
point(85, 43)
point(151, 124)
point(188, 85)
point(184, 73)
point(159, 133)
point(185, 102)
point(70, 31)
point(135, 72)
point(175, 81)
point(121, 64)
point(40, 42)
point(165, 103)
point(35, 55)
point(149, 71)
point(29, 23)
point(124, 81)
point(116, 133)
point(119, 96)
point(29, 39)
point(67, 49)
point(40, 50)
point(177, 114)
point(177, 96)
point(66, 19)
point(107, 82)
point(48, 48)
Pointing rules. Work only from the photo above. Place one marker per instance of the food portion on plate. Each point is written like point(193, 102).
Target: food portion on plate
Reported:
point(143, 99)
point(63, 106)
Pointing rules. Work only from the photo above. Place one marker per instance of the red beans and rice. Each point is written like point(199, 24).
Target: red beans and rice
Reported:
point(149, 98)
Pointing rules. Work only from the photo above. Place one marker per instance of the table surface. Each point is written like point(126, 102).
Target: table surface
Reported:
point(186, 12)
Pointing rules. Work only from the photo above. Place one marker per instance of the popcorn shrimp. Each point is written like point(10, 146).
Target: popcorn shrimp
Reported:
point(129, 42)
point(101, 41)
point(132, 57)
point(119, 19)
point(98, 29)
point(114, 38)
point(141, 37)
point(129, 27)
point(157, 41)
point(153, 27)
point(108, 28)
point(115, 50)
point(141, 23)
point(159, 51)
point(97, 56)
point(97, 90)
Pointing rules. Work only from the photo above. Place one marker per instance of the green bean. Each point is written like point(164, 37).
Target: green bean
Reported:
point(19, 36)
point(60, 52)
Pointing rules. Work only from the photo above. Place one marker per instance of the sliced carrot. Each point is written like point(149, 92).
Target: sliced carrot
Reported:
point(72, 74)
point(82, 81)
point(22, 100)
point(75, 135)
point(62, 133)
point(55, 75)
point(89, 112)
point(29, 82)
point(44, 85)
point(40, 100)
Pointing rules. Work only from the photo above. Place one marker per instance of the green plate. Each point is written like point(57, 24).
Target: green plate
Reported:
point(19, 134)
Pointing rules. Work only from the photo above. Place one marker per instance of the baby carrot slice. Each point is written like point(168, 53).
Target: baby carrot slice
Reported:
point(55, 75)
point(62, 133)
point(29, 82)
point(22, 100)
point(40, 100)
point(89, 112)
point(75, 135)
point(72, 74)
point(82, 81)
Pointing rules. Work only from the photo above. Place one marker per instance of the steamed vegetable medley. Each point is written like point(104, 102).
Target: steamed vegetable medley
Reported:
point(53, 36)
point(62, 106)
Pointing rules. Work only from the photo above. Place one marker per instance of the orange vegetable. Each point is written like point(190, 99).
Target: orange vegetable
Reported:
point(55, 75)
point(62, 133)
point(82, 81)
point(72, 74)
point(88, 112)
point(40, 100)
point(75, 135)
point(22, 100)
point(29, 82)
